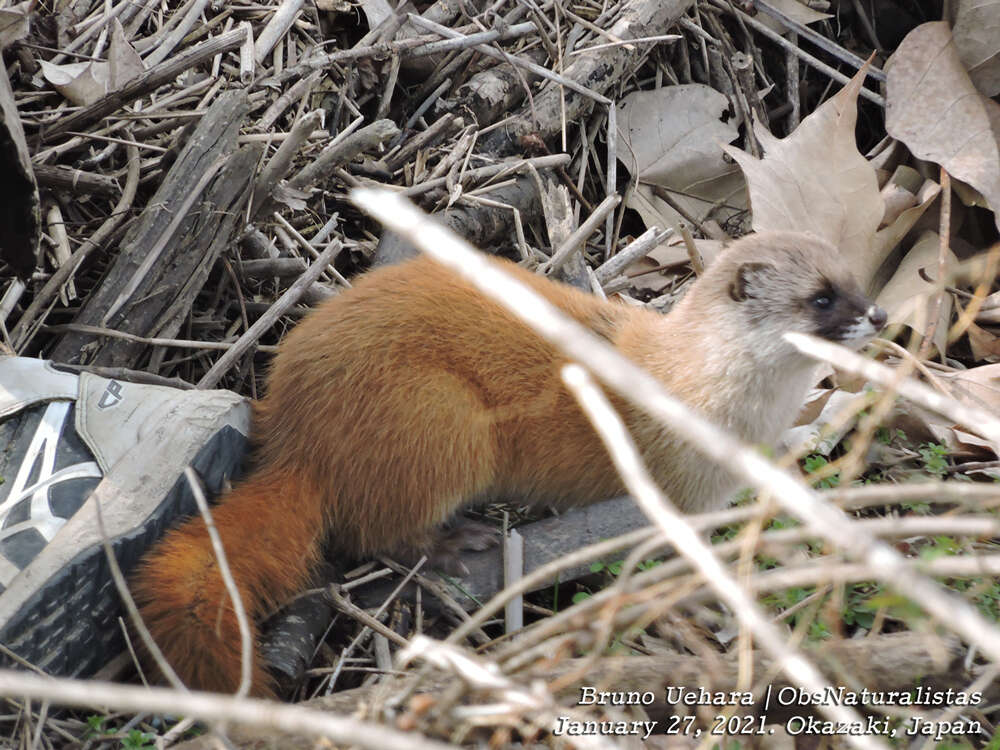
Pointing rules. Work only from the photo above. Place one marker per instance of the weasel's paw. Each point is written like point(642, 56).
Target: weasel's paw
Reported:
point(443, 546)
point(461, 535)
point(448, 562)
point(470, 535)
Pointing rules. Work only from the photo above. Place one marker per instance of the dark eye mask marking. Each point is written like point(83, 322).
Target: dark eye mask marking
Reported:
point(837, 313)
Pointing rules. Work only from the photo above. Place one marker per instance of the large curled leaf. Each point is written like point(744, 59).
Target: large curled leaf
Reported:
point(977, 37)
point(815, 180)
point(87, 82)
point(80, 82)
point(932, 107)
point(670, 137)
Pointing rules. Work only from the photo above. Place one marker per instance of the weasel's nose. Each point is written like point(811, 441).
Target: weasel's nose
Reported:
point(876, 316)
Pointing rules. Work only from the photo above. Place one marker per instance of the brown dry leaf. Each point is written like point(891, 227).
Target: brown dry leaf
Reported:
point(124, 62)
point(922, 425)
point(647, 276)
point(87, 82)
point(977, 38)
point(975, 446)
point(908, 299)
point(815, 180)
point(558, 211)
point(670, 137)
point(795, 10)
point(906, 194)
point(969, 195)
point(899, 192)
point(81, 82)
point(895, 226)
point(14, 23)
point(886, 156)
point(919, 425)
point(823, 431)
point(984, 344)
point(903, 209)
point(989, 311)
point(933, 108)
point(978, 387)
point(286, 195)
point(376, 11)
point(815, 401)
point(673, 252)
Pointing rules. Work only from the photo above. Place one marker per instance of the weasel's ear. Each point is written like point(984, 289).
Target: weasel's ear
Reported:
point(739, 287)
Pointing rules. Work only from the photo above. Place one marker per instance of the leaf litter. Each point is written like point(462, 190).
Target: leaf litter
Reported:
point(704, 143)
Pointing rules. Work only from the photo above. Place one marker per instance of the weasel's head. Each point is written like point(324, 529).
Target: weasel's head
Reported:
point(777, 282)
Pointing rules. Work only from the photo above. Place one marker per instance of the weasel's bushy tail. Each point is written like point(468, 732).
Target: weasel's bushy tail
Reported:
point(270, 533)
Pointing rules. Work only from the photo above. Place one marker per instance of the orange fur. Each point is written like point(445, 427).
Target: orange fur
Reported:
point(184, 601)
point(396, 403)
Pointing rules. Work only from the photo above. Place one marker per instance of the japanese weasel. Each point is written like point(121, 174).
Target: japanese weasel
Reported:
point(398, 402)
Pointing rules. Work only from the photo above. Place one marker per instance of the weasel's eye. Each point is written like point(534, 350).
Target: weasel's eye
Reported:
point(822, 301)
